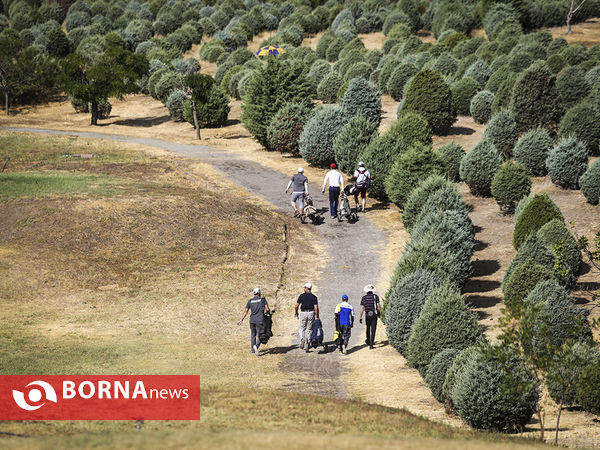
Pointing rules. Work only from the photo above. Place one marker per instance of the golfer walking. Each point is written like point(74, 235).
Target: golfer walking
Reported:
point(309, 310)
point(257, 306)
point(300, 190)
point(370, 306)
point(336, 184)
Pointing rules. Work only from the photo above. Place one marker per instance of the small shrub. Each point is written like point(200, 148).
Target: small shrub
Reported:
point(588, 388)
point(456, 368)
point(362, 97)
point(411, 128)
point(519, 61)
point(286, 127)
point(212, 114)
point(496, 391)
point(352, 140)
point(481, 106)
point(571, 86)
point(574, 54)
point(551, 320)
point(592, 75)
point(503, 95)
point(566, 370)
point(477, 168)
point(510, 184)
point(452, 155)
point(398, 79)
point(419, 196)
point(556, 63)
point(175, 103)
point(590, 183)
point(334, 49)
point(76, 20)
point(316, 140)
point(497, 78)
point(463, 92)
point(447, 198)
point(479, 71)
point(446, 64)
point(582, 121)
point(436, 372)
point(167, 83)
point(429, 95)
point(404, 303)
point(555, 233)
point(533, 249)
point(532, 214)
point(329, 86)
point(521, 282)
point(387, 65)
point(417, 163)
point(444, 323)
point(535, 101)
point(532, 150)
point(501, 132)
point(567, 162)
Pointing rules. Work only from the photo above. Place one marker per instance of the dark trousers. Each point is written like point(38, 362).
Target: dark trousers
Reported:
point(371, 327)
point(334, 199)
point(346, 331)
point(255, 330)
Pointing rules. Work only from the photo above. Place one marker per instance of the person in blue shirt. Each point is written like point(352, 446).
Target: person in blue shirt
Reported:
point(345, 314)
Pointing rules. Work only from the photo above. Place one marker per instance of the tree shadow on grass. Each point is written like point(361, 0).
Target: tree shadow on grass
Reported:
point(476, 286)
point(144, 122)
point(485, 267)
point(483, 301)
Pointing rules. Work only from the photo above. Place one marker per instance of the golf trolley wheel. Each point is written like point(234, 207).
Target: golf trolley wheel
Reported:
point(354, 217)
point(339, 217)
point(302, 218)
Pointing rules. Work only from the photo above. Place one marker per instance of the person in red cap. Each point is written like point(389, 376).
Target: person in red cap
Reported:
point(336, 183)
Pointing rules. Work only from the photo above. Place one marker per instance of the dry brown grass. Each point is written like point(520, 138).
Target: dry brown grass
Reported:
point(585, 33)
point(150, 281)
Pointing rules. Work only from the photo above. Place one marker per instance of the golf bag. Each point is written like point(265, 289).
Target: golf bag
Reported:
point(310, 211)
point(337, 335)
point(317, 335)
point(345, 210)
point(266, 332)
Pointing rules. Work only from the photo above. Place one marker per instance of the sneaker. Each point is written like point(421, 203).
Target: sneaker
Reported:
point(371, 347)
point(366, 341)
point(344, 350)
point(301, 343)
point(255, 350)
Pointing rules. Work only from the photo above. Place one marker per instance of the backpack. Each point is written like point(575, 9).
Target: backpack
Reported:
point(363, 181)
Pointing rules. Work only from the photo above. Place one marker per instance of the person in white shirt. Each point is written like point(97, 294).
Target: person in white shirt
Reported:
point(362, 178)
point(336, 183)
point(300, 190)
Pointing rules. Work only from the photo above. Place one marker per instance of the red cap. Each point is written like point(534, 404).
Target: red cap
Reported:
point(333, 166)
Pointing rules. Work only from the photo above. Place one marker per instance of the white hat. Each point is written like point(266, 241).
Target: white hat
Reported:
point(300, 170)
point(256, 291)
point(308, 286)
point(369, 288)
point(361, 164)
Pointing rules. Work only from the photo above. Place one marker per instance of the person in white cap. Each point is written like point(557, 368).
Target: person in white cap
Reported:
point(309, 310)
point(362, 179)
point(257, 306)
point(300, 190)
point(370, 305)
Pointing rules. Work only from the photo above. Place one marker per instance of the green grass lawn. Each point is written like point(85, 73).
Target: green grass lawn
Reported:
point(39, 184)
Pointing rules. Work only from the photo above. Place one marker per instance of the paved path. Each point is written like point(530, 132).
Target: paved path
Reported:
point(353, 249)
